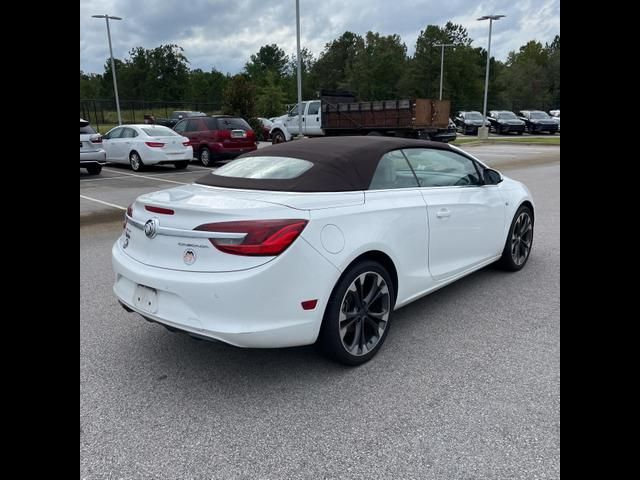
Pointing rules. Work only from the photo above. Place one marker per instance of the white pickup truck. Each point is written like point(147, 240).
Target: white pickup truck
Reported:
point(342, 115)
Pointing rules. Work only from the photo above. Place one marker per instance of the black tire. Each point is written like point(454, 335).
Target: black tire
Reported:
point(278, 137)
point(517, 248)
point(205, 157)
point(136, 162)
point(520, 132)
point(181, 165)
point(358, 328)
point(94, 169)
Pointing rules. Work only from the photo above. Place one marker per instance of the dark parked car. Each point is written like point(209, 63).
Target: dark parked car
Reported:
point(468, 122)
point(504, 121)
point(217, 137)
point(177, 116)
point(538, 121)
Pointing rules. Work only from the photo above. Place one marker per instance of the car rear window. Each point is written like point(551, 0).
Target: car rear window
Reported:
point(159, 131)
point(87, 129)
point(230, 123)
point(265, 168)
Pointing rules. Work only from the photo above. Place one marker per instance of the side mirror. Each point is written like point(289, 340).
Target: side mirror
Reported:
point(492, 177)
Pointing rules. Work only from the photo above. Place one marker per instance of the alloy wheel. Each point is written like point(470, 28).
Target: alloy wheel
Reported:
point(521, 238)
point(364, 313)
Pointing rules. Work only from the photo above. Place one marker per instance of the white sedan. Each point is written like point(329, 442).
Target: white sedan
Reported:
point(317, 240)
point(143, 145)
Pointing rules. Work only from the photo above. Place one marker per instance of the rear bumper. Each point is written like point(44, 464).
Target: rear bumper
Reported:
point(255, 308)
point(151, 156)
point(444, 136)
point(221, 150)
point(93, 157)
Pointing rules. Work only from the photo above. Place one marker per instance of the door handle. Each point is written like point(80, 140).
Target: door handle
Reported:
point(443, 213)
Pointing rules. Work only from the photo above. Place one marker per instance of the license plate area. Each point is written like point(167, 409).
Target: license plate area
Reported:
point(238, 134)
point(145, 299)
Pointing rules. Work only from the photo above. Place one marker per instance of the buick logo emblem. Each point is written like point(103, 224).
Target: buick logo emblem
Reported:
point(151, 228)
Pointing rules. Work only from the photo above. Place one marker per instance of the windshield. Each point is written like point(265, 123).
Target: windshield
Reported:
point(538, 115)
point(507, 115)
point(159, 131)
point(266, 168)
point(473, 116)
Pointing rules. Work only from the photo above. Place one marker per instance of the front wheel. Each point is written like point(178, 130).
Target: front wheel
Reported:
point(278, 137)
point(519, 241)
point(358, 315)
point(135, 161)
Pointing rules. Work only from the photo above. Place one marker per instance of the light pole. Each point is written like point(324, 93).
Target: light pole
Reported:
point(113, 65)
point(442, 62)
point(299, 69)
point(483, 131)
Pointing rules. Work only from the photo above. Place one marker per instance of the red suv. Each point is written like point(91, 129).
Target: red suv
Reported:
point(217, 137)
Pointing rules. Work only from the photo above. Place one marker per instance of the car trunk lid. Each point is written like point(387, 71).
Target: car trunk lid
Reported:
point(161, 230)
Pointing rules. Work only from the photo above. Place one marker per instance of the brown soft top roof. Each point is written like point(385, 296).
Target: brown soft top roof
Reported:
point(340, 164)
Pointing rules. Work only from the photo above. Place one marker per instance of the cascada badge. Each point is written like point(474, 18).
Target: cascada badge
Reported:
point(189, 256)
point(151, 227)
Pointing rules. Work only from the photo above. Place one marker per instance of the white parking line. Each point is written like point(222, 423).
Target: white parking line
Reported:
point(102, 202)
point(144, 176)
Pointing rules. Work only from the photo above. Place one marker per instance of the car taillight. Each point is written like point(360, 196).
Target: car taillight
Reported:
point(164, 211)
point(263, 237)
point(129, 214)
point(154, 144)
point(186, 144)
point(96, 140)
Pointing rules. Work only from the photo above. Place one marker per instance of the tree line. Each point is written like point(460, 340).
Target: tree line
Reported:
point(374, 66)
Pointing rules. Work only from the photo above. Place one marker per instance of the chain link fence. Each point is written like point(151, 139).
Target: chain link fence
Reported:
point(103, 111)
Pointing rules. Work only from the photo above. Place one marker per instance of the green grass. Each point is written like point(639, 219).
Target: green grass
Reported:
point(554, 140)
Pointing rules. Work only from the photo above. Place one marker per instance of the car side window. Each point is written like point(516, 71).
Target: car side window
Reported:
point(313, 109)
point(129, 133)
point(180, 126)
point(442, 168)
point(393, 171)
point(294, 111)
point(192, 126)
point(115, 133)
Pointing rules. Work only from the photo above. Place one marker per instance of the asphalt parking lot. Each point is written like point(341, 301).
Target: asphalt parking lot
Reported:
point(465, 387)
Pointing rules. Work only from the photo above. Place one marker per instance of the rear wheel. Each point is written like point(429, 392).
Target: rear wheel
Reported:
point(182, 165)
point(278, 137)
point(94, 169)
point(205, 156)
point(358, 315)
point(135, 161)
point(519, 241)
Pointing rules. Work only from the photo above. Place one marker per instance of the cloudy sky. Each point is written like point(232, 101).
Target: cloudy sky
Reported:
point(224, 33)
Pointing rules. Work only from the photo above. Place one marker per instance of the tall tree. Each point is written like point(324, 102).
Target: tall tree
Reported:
point(330, 71)
point(377, 67)
point(270, 58)
point(240, 97)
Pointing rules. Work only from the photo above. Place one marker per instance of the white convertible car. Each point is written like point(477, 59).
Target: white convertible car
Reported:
point(317, 240)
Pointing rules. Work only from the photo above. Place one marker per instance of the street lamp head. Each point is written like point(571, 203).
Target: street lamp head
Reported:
point(491, 17)
point(110, 17)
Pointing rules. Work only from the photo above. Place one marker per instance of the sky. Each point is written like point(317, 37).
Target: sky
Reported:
point(223, 34)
